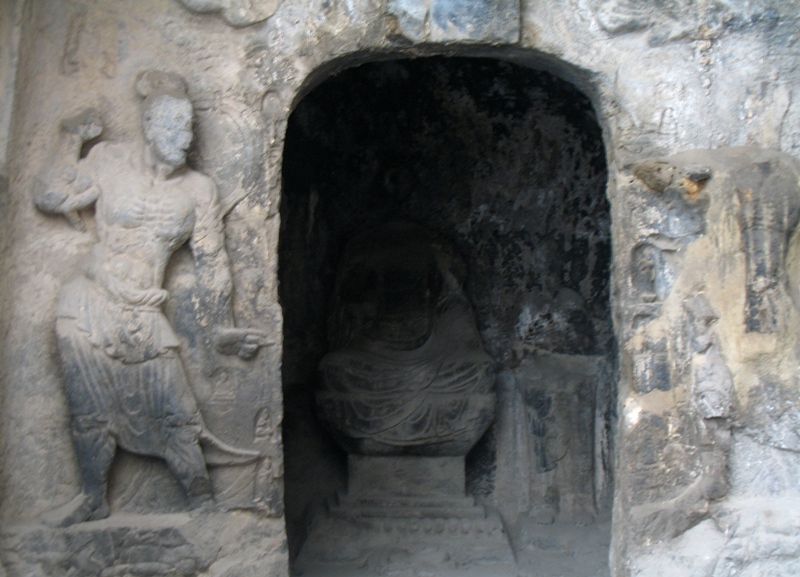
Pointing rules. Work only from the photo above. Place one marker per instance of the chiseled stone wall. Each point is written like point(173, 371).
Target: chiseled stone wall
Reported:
point(703, 281)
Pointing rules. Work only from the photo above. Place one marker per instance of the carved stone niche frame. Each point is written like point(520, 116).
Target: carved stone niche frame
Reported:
point(532, 472)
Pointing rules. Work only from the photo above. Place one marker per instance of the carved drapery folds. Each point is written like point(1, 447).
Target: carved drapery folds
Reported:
point(763, 187)
point(768, 211)
point(409, 375)
point(125, 382)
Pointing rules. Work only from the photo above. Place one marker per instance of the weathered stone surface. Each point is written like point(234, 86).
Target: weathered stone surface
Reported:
point(407, 373)
point(689, 323)
point(182, 545)
point(457, 20)
point(407, 390)
point(555, 470)
point(446, 546)
point(675, 19)
point(125, 384)
point(733, 410)
point(10, 30)
point(236, 12)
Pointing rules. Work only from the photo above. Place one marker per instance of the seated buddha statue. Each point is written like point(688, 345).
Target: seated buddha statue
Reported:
point(407, 373)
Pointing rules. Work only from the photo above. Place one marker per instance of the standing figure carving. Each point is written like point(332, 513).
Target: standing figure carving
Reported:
point(769, 210)
point(124, 379)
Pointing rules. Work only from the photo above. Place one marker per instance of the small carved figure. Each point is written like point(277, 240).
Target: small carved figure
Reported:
point(711, 380)
point(657, 261)
point(769, 210)
point(125, 382)
point(538, 406)
point(645, 270)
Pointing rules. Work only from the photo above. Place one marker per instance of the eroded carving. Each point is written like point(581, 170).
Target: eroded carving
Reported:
point(90, 45)
point(769, 210)
point(650, 280)
point(621, 16)
point(236, 12)
point(763, 187)
point(538, 406)
point(269, 441)
point(657, 260)
point(228, 147)
point(712, 387)
point(711, 411)
point(668, 20)
point(651, 367)
point(646, 262)
point(408, 373)
point(439, 20)
point(713, 399)
point(124, 380)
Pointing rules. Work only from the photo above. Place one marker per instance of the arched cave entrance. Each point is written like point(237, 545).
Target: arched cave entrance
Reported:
point(507, 165)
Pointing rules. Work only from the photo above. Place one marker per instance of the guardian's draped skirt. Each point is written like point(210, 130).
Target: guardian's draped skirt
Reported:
point(122, 369)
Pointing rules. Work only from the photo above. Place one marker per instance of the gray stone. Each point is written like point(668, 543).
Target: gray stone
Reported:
point(124, 383)
point(174, 545)
point(617, 185)
point(457, 20)
point(10, 30)
point(378, 164)
point(236, 12)
point(408, 546)
point(407, 390)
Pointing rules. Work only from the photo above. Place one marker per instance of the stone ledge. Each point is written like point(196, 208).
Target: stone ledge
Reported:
point(368, 546)
point(178, 545)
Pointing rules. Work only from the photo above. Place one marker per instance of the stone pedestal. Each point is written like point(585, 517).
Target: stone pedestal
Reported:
point(405, 487)
point(399, 476)
point(405, 516)
point(448, 538)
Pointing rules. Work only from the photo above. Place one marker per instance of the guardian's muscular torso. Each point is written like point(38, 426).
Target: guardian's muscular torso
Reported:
point(141, 220)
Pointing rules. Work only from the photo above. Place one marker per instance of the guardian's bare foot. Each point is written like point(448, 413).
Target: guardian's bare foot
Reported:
point(78, 510)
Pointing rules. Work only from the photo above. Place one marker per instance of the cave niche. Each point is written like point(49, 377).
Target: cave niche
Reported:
point(506, 164)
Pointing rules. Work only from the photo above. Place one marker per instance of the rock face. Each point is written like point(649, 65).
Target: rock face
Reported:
point(456, 20)
point(743, 193)
point(510, 287)
point(167, 544)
